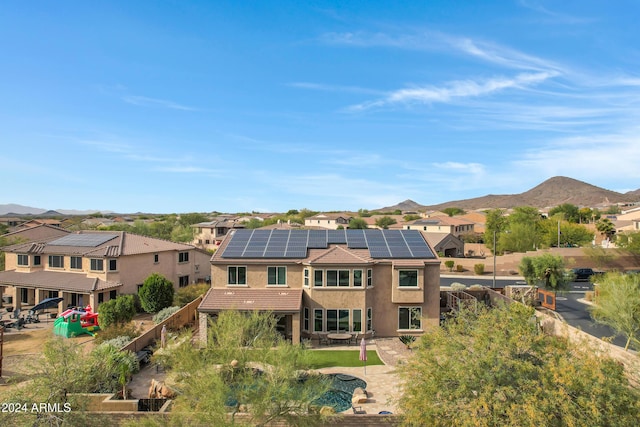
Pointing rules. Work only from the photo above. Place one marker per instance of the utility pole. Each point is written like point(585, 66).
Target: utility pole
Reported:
point(558, 234)
point(494, 259)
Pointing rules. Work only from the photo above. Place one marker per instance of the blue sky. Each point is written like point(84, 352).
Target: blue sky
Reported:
point(187, 106)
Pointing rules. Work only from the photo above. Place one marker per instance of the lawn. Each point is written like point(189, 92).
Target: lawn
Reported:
point(343, 358)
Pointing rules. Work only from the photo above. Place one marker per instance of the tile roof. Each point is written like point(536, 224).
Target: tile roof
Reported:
point(39, 233)
point(55, 280)
point(339, 255)
point(248, 299)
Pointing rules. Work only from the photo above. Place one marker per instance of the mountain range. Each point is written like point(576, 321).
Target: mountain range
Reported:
point(552, 192)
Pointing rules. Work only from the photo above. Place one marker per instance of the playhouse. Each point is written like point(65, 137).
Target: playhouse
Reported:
point(76, 321)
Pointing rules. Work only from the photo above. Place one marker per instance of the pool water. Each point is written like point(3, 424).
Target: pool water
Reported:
point(342, 387)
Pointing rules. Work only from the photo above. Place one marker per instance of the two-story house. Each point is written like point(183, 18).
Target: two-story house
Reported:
point(91, 267)
point(442, 224)
point(318, 281)
point(209, 235)
point(329, 221)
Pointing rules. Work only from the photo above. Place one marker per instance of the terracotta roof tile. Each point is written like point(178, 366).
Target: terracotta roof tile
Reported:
point(248, 299)
point(63, 281)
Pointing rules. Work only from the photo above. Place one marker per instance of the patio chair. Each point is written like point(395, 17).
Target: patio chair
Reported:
point(323, 339)
point(357, 409)
point(354, 339)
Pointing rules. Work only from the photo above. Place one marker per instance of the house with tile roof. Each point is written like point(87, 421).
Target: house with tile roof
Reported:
point(208, 235)
point(92, 267)
point(321, 281)
point(442, 224)
point(330, 221)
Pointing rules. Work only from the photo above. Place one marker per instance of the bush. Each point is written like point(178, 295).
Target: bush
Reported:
point(449, 264)
point(116, 331)
point(117, 311)
point(117, 342)
point(407, 339)
point(184, 296)
point(478, 269)
point(456, 286)
point(156, 293)
point(164, 313)
point(459, 268)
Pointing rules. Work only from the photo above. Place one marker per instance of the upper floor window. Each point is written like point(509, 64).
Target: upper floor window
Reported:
point(357, 278)
point(113, 265)
point(306, 278)
point(156, 258)
point(276, 275)
point(23, 260)
point(37, 260)
point(369, 278)
point(56, 261)
point(236, 275)
point(97, 264)
point(318, 279)
point(76, 263)
point(408, 278)
point(183, 257)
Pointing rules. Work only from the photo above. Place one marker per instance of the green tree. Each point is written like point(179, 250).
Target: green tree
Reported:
point(586, 215)
point(617, 304)
point(629, 242)
point(495, 368)
point(364, 213)
point(453, 211)
point(411, 217)
point(118, 311)
point(385, 221)
point(156, 293)
point(606, 228)
point(523, 227)
point(188, 219)
point(358, 223)
point(186, 294)
point(264, 379)
point(546, 270)
point(496, 223)
point(568, 211)
point(570, 234)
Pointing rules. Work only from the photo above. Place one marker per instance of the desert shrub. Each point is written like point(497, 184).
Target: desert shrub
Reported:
point(184, 296)
point(164, 313)
point(407, 339)
point(117, 311)
point(588, 295)
point(457, 286)
point(459, 268)
point(108, 361)
point(476, 287)
point(478, 269)
point(449, 264)
point(117, 342)
point(116, 331)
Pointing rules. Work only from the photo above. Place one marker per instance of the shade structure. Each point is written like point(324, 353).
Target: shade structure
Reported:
point(46, 303)
point(363, 354)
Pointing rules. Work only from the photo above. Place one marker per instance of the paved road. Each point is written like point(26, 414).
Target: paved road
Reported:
point(574, 312)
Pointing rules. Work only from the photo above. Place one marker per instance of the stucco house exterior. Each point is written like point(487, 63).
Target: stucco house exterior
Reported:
point(361, 282)
point(208, 235)
point(92, 267)
point(442, 224)
point(445, 243)
point(330, 221)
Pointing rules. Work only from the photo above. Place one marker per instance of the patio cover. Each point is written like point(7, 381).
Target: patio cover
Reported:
point(275, 300)
point(53, 280)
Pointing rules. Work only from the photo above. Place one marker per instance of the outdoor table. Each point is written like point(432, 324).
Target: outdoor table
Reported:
point(339, 337)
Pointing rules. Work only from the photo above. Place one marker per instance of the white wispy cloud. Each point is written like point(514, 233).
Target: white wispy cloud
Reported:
point(335, 88)
point(144, 101)
point(454, 90)
point(554, 17)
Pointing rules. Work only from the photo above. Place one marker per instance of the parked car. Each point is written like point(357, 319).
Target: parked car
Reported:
point(583, 274)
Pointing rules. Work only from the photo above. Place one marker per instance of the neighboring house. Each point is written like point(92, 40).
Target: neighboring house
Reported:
point(36, 222)
point(330, 221)
point(11, 221)
point(445, 243)
point(479, 220)
point(318, 281)
point(209, 235)
point(98, 222)
point(91, 267)
point(442, 224)
point(371, 221)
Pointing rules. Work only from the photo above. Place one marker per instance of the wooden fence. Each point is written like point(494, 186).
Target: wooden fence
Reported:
point(187, 315)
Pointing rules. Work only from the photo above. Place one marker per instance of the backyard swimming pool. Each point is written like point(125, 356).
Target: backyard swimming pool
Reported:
point(342, 387)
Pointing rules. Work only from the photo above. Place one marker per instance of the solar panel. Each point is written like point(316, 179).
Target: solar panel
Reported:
point(90, 240)
point(336, 236)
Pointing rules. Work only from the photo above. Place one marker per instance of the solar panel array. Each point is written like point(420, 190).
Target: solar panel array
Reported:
point(295, 243)
point(89, 240)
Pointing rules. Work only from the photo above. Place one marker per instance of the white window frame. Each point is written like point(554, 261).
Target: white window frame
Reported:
point(406, 270)
point(369, 319)
point(73, 265)
point(411, 317)
point(315, 278)
point(316, 318)
point(305, 279)
point(96, 262)
point(361, 278)
point(305, 319)
point(23, 260)
point(353, 320)
point(237, 269)
point(279, 273)
point(369, 277)
point(56, 257)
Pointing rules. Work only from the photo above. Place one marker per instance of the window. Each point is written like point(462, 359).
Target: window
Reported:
point(357, 278)
point(207, 242)
point(76, 263)
point(100, 297)
point(23, 260)
point(97, 264)
point(305, 324)
point(318, 278)
point(306, 278)
point(356, 320)
point(183, 257)
point(343, 278)
point(183, 281)
point(113, 294)
point(318, 320)
point(276, 275)
point(113, 265)
point(408, 278)
point(369, 319)
point(338, 320)
point(156, 258)
point(53, 294)
point(410, 318)
point(369, 278)
point(332, 320)
point(237, 275)
point(56, 261)
point(332, 278)
point(37, 260)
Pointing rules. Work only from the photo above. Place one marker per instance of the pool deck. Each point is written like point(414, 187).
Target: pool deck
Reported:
point(383, 383)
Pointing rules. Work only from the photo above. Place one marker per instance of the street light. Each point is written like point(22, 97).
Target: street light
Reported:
point(494, 259)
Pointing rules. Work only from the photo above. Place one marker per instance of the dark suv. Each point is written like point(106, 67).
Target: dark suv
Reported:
point(582, 274)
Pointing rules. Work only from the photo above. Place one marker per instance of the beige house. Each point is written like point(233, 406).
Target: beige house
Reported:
point(442, 224)
point(330, 221)
point(209, 235)
point(91, 267)
point(361, 282)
